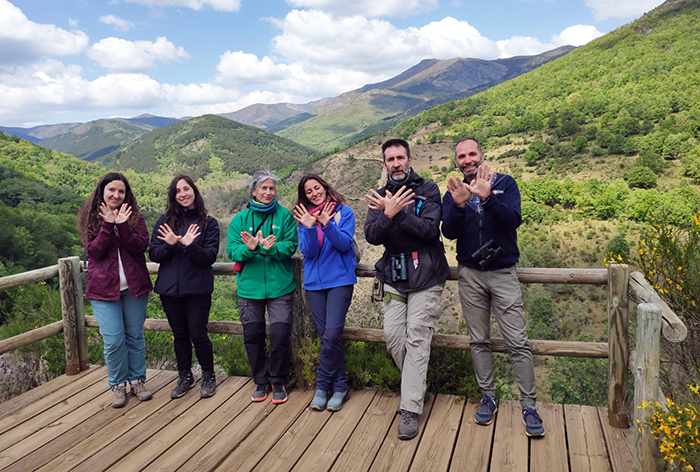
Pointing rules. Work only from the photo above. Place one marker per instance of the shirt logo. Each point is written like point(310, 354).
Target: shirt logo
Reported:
point(496, 192)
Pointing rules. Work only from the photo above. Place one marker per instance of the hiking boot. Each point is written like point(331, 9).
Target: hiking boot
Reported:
point(139, 389)
point(260, 393)
point(319, 401)
point(119, 398)
point(337, 400)
point(279, 394)
point(208, 388)
point(184, 383)
point(408, 426)
point(486, 411)
point(532, 422)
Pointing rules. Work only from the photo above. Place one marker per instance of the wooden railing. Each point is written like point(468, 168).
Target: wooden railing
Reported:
point(653, 318)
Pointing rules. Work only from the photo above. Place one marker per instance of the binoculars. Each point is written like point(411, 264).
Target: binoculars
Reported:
point(399, 269)
point(486, 254)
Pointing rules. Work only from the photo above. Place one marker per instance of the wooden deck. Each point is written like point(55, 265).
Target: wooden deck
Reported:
point(68, 424)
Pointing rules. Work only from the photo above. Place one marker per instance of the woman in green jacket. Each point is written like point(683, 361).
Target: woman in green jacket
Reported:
point(261, 241)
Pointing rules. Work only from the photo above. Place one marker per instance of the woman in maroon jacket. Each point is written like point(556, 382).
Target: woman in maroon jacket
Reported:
point(115, 238)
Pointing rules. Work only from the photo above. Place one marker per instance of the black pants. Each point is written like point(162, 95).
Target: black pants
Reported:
point(274, 369)
point(188, 318)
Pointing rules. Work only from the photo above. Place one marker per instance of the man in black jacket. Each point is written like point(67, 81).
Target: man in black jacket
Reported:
point(404, 217)
point(483, 214)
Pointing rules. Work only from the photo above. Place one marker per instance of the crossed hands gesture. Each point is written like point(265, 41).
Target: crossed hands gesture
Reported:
point(251, 242)
point(479, 186)
point(391, 204)
point(322, 216)
point(165, 233)
point(115, 216)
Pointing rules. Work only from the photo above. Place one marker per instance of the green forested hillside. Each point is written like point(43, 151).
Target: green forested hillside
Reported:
point(204, 145)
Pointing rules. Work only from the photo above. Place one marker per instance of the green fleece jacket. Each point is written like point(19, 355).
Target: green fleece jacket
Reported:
point(267, 273)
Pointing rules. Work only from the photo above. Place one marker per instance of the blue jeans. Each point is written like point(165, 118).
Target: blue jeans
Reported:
point(328, 309)
point(121, 327)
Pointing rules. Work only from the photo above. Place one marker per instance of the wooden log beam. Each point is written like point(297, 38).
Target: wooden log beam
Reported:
point(442, 341)
point(68, 308)
point(646, 382)
point(33, 336)
point(527, 275)
point(618, 344)
point(303, 327)
point(79, 304)
point(672, 327)
point(32, 276)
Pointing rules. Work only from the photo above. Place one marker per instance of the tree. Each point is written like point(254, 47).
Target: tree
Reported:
point(641, 177)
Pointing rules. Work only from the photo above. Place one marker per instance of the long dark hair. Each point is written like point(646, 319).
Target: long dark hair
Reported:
point(89, 219)
point(330, 191)
point(174, 213)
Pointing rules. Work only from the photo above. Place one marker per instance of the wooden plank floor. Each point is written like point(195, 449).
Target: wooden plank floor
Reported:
point(69, 425)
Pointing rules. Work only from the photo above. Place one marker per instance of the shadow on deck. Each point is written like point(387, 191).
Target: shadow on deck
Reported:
point(68, 424)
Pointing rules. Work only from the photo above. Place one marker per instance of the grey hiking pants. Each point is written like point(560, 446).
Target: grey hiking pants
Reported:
point(408, 331)
point(479, 291)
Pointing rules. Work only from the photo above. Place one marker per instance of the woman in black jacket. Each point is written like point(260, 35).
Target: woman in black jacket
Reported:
point(185, 241)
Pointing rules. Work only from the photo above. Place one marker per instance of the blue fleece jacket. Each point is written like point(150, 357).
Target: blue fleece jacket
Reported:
point(499, 221)
point(331, 264)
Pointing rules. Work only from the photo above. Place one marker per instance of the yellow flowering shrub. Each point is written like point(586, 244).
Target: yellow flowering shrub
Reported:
point(677, 427)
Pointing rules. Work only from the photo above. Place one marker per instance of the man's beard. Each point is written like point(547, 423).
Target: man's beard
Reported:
point(468, 177)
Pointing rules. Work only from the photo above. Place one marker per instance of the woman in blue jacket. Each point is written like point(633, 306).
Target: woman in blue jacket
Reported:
point(326, 229)
point(185, 242)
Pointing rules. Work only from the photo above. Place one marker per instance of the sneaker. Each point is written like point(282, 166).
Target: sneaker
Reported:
point(279, 394)
point(319, 401)
point(260, 393)
point(119, 398)
point(139, 389)
point(208, 388)
point(184, 383)
point(408, 426)
point(337, 400)
point(486, 411)
point(532, 422)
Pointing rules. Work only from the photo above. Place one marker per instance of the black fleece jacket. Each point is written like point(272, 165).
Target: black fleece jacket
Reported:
point(186, 270)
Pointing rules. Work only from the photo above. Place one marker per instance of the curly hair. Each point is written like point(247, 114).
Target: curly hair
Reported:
point(89, 219)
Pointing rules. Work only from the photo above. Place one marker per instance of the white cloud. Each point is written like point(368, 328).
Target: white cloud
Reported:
point(73, 22)
point(120, 55)
point(24, 41)
point(118, 23)
point(606, 9)
point(219, 5)
point(242, 68)
point(576, 35)
point(369, 8)
point(315, 38)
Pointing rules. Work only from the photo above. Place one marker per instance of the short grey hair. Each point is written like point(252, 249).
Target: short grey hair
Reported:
point(261, 176)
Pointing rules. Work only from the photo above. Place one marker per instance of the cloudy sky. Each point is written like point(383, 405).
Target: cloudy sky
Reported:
point(80, 60)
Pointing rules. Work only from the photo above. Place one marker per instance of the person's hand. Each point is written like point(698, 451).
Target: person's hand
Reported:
point(376, 201)
point(107, 214)
point(325, 215)
point(481, 185)
point(393, 204)
point(165, 233)
point(123, 215)
point(459, 191)
point(267, 242)
point(302, 215)
point(191, 234)
point(249, 240)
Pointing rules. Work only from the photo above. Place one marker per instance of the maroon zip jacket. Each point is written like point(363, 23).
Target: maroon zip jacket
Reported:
point(103, 262)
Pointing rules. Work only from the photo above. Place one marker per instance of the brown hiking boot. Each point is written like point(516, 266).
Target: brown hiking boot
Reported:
point(119, 398)
point(139, 389)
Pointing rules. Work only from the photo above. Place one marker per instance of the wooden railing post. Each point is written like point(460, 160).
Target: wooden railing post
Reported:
point(76, 270)
point(303, 328)
point(618, 344)
point(646, 382)
point(68, 308)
